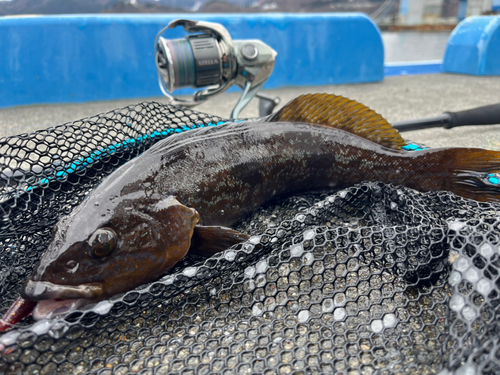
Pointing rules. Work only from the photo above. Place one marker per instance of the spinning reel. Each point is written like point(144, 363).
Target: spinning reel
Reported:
point(211, 59)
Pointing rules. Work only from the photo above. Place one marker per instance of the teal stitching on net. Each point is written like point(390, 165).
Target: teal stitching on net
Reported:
point(493, 178)
point(83, 162)
point(413, 147)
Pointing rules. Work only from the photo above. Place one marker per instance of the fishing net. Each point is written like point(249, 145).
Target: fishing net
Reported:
point(373, 279)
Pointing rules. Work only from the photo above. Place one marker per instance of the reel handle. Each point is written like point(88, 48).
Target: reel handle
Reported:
point(487, 115)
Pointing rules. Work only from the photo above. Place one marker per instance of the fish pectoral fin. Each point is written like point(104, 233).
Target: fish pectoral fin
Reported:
point(341, 113)
point(208, 240)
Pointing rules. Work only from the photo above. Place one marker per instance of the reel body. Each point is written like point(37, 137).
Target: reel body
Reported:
point(211, 59)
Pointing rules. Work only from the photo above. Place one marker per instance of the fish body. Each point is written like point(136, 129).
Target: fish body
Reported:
point(185, 192)
point(228, 171)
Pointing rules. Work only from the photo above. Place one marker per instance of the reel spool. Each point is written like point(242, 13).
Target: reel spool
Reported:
point(213, 60)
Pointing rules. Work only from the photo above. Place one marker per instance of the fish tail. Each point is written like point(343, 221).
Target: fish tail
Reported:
point(475, 174)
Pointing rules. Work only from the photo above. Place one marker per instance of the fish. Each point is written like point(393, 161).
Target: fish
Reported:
point(185, 193)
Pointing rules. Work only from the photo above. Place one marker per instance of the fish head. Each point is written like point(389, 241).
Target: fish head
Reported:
point(97, 253)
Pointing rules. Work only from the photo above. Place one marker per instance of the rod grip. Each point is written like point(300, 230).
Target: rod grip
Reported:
point(487, 115)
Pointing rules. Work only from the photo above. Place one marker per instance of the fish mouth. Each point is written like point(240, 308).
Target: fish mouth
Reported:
point(50, 308)
point(44, 290)
point(54, 299)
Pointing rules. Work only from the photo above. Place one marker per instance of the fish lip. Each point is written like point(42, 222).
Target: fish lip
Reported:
point(43, 290)
point(48, 309)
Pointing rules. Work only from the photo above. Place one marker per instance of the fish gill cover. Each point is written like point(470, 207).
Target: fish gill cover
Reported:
point(370, 279)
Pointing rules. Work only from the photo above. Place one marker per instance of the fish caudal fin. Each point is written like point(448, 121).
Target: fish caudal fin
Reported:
point(341, 113)
point(207, 240)
point(476, 174)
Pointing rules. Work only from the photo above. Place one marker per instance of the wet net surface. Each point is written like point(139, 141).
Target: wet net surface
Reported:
point(374, 279)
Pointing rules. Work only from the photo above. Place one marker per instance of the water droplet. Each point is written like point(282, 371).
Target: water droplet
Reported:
point(466, 370)
point(254, 240)
point(469, 313)
point(300, 218)
point(261, 266)
point(230, 255)
point(484, 287)
point(309, 234)
point(461, 264)
point(102, 307)
point(168, 280)
point(41, 327)
point(390, 320)
point(486, 250)
point(190, 271)
point(456, 225)
point(257, 310)
point(296, 250)
point(472, 275)
point(339, 314)
point(250, 271)
point(457, 302)
point(9, 338)
point(303, 316)
point(454, 278)
point(377, 326)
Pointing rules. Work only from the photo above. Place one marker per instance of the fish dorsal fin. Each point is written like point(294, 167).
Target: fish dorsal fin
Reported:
point(341, 113)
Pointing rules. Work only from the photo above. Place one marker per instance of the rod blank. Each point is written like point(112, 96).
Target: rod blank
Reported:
point(486, 115)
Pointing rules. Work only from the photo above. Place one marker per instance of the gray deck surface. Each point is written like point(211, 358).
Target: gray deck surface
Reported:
point(396, 98)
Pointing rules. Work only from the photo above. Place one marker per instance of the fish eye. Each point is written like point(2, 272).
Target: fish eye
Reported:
point(103, 242)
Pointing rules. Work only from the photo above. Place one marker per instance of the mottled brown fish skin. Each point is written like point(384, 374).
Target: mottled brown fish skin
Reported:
point(222, 174)
point(229, 171)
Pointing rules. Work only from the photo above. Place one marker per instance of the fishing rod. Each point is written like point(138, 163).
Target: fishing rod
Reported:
point(486, 115)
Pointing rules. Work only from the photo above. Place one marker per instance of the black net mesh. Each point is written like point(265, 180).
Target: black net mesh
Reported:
point(370, 279)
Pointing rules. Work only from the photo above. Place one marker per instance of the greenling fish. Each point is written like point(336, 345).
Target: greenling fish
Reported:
point(186, 192)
